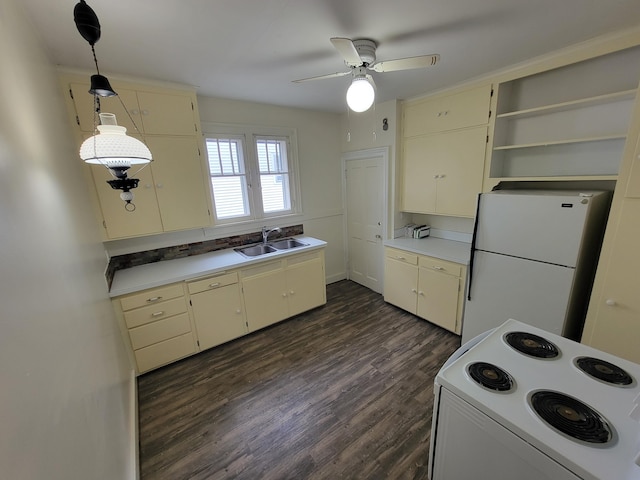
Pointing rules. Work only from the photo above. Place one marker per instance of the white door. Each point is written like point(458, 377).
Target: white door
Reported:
point(366, 199)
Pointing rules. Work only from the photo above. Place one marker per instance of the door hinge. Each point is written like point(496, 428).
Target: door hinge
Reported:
point(71, 94)
point(487, 138)
point(489, 113)
point(193, 108)
point(78, 120)
point(104, 224)
point(491, 92)
point(190, 303)
point(198, 342)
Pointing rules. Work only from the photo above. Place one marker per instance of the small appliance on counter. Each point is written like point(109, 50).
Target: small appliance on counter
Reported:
point(417, 231)
point(519, 402)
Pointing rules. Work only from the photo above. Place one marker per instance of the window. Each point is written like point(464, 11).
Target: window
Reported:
point(253, 181)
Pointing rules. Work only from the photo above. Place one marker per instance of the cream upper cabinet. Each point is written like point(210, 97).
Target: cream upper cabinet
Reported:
point(218, 311)
point(449, 112)
point(428, 287)
point(165, 113)
point(178, 182)
point(174, 192)
point(277, 290)
point(443, 173)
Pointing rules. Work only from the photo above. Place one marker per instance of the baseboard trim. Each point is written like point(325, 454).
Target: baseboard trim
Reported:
point(336, 278)
point(133, 427)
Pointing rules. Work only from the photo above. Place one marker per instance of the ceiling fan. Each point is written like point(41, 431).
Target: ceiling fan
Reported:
point(360, 56)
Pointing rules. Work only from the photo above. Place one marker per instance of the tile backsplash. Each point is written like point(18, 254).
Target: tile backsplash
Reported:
point(129, 260)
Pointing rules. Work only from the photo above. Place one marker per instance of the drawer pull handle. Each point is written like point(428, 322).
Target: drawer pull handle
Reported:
point(438, 268)
point(157, 314)
point(153, 299)
point(400, 258)
point(214, 285)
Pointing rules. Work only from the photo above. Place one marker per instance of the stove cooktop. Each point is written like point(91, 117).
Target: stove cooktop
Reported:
point(570, 401)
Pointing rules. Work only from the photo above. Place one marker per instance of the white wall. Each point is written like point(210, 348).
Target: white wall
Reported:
point(64, 374)
point(320, 179)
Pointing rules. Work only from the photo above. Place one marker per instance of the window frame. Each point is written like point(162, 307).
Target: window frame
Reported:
point(249, 135)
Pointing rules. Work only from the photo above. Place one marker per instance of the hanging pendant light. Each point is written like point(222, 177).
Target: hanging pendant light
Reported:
point(110, 145)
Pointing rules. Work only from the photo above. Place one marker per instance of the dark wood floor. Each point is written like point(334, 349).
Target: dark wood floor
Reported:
point(343, 391)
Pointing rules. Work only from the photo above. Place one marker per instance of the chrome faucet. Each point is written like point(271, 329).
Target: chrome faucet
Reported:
point(266, 231)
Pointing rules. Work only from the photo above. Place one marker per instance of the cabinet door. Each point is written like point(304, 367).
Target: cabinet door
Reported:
point(83, 102)
point(305, 285)
point(217, 314)
point(118, 222)
point(400, 284)
point(438, 298)
point(180, 189)
point(167, 114)
point(459, 110)
point(460, 161)
point(613, 322)
point(265, 297)
point(419, 174)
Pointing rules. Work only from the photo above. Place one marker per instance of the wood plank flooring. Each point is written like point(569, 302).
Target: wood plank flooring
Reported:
point(342, 391)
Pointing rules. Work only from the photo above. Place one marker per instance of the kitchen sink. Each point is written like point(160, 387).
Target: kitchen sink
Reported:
point(287, 243)
point(263, 248)
point(255, 250)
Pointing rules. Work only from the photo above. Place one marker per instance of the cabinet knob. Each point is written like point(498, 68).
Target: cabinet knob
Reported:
point(144, 112)
point(413, 290)
point(421, 293)
point(291, 292)
point(134, 111)
point(159, 185)
point(284, 295)
point(611, 302)
point(238, 311)
point(147, 185)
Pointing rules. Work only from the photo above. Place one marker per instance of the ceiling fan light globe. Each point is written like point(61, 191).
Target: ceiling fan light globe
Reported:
point(360, 95)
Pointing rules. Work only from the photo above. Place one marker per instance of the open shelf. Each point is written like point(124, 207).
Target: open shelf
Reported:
point(564, 106)
point(561, 142)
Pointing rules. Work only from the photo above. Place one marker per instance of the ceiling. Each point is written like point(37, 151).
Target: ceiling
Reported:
point(253, 49)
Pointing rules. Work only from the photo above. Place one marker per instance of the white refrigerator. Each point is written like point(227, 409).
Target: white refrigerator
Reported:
point(533, 258)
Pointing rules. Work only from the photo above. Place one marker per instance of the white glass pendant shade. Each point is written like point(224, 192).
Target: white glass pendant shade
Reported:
point(360, 95)
point(114, 148)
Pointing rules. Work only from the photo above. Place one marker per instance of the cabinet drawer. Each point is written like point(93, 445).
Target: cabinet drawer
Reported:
point(165, 352)
point(152, 313)
point(402, 256)
point(151, 296)
point(155, 332)
point(442, 266)
point(215, 281)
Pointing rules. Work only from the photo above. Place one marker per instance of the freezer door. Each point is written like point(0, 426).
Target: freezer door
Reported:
point(548, 228)
point(506, 287)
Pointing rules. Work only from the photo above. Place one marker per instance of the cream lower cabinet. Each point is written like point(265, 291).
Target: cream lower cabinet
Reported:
point(218, 312)
point(277, 290)
point(158, 326)
point(428, 287)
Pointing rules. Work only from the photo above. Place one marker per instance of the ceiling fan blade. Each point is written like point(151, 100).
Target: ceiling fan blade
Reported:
point(348, 50)
point(406, 63)
point(320, 77)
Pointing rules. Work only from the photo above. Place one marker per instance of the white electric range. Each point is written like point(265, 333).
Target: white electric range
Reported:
point(522, 403)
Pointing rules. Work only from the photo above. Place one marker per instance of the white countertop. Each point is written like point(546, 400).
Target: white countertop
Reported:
point(156, 274)
point(451, 250)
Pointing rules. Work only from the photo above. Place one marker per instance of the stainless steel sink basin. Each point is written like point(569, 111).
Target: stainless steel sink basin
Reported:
point(287, 243)
point(255, 250)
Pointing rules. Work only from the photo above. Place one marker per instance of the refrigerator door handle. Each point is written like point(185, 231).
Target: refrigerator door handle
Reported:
point(473, 247)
